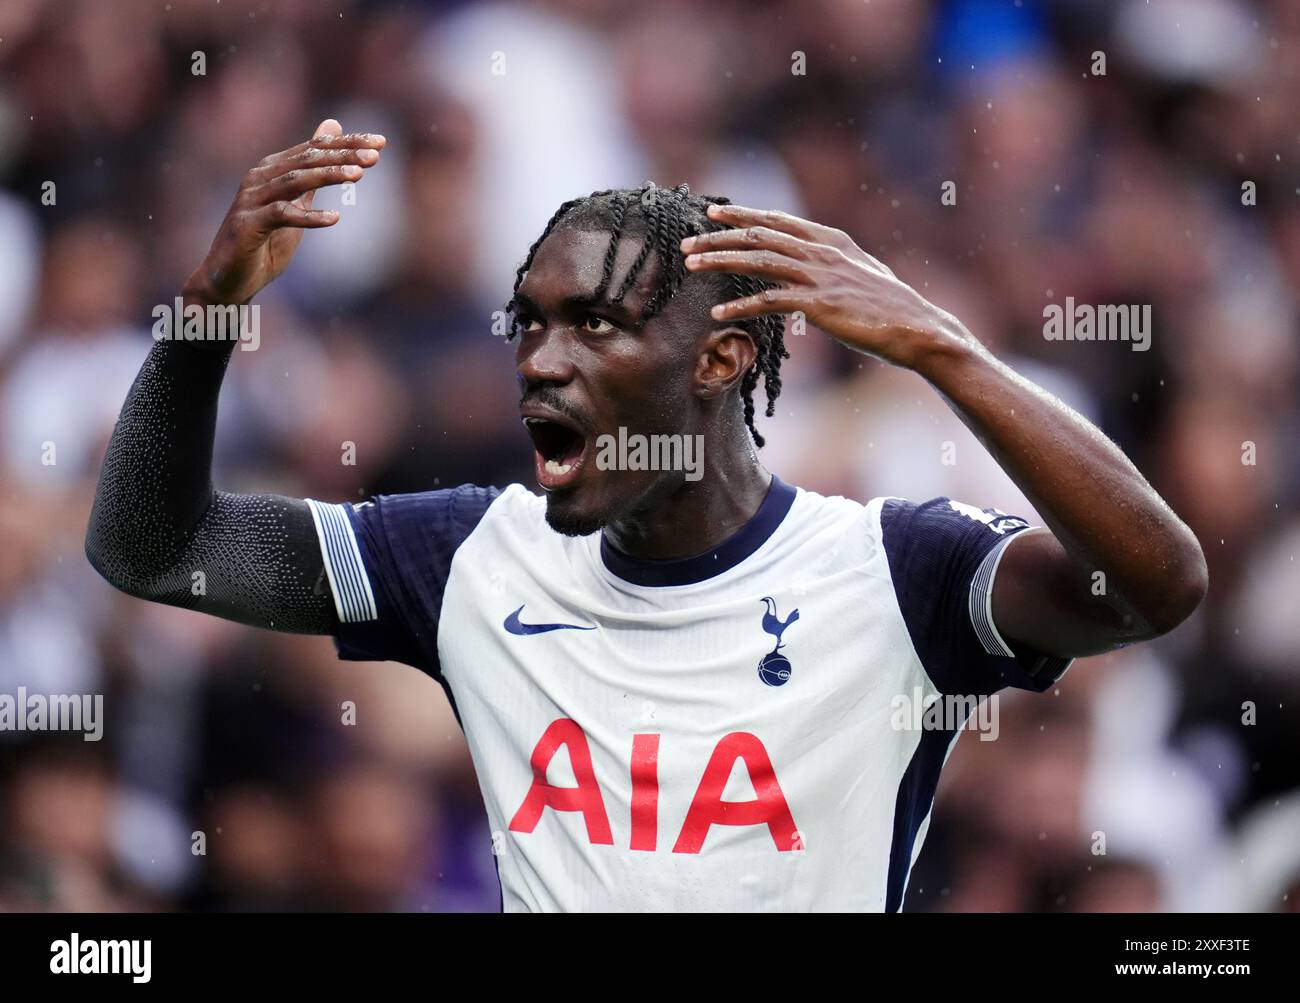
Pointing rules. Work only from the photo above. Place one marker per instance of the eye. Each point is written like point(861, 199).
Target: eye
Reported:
point(529, 324)
point(596, 325)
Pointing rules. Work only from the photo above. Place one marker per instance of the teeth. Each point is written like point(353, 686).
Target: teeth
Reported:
point(555, 467)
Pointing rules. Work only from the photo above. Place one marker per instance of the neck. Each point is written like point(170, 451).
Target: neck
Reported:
point(691, 517)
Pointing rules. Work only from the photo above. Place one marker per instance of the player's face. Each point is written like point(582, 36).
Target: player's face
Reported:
point(588, 371)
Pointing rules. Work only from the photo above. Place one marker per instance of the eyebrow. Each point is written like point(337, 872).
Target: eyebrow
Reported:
point(520, 303)
point(525, 304)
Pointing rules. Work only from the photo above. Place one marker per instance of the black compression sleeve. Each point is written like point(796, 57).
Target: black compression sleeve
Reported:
point(159, 531)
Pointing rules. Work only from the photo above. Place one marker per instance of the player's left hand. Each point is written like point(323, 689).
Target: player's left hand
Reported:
point(835, 284)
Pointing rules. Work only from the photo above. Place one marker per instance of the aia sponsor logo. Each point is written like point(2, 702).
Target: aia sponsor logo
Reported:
point(707, 809)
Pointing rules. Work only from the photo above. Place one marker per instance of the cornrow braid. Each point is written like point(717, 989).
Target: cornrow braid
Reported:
point(663, 217)
point(619, 204)
point(650, 208)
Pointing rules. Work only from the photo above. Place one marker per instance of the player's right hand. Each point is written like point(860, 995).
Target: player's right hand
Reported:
point(261, 231)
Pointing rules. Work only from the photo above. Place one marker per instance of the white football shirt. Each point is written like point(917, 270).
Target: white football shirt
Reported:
point(732, 731)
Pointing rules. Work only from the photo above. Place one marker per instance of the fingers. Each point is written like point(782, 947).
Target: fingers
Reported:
point(312, 156)
point(298, 182)
point(763, 251)
point(768, 301)
point(291, 214)
point(762, 263)
point(350, 141)
point(753, 237)
point(792, 235)
point(330, 157)
point(805, 229)
point(308, 155)
point(328, 145)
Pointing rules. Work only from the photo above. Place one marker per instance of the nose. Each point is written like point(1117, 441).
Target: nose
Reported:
point(544, 357)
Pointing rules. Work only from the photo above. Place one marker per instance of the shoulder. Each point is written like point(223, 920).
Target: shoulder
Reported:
point(425, 523)
point(463, 506)
point(810, 506)
point(912, 535)
point(942, 518)
point(838, 528)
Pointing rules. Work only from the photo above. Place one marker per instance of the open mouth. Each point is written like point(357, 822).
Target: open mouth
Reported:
point(558, 451)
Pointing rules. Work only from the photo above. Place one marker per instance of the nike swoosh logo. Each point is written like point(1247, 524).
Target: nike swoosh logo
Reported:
point(514, 625)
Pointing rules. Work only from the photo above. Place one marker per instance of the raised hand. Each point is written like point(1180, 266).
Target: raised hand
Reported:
point(260, 233)
point(823, 274)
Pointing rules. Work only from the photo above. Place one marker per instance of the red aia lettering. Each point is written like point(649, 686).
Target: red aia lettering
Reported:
point(584, 798)
point(707, 807)
point(645, 791)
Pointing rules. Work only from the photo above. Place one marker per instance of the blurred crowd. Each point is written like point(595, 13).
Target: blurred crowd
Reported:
point(1112, 151)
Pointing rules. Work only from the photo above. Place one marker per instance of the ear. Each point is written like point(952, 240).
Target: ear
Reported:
point(725, 355)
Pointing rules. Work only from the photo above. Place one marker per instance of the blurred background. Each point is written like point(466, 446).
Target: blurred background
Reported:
point(1119, 187)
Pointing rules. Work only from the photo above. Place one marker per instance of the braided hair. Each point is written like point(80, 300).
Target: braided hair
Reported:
point(665, 217)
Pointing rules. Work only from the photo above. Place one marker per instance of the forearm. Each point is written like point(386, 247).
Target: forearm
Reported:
point(1104, 514)
point(159, 531)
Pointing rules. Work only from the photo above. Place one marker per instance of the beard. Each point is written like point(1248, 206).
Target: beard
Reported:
point(571, 523)
point(567, 516)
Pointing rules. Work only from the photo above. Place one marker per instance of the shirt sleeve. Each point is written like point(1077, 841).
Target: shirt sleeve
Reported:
point(388, 560)
point(943, 559)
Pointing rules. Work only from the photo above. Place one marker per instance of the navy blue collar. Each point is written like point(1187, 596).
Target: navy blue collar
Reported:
point(730, 552)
